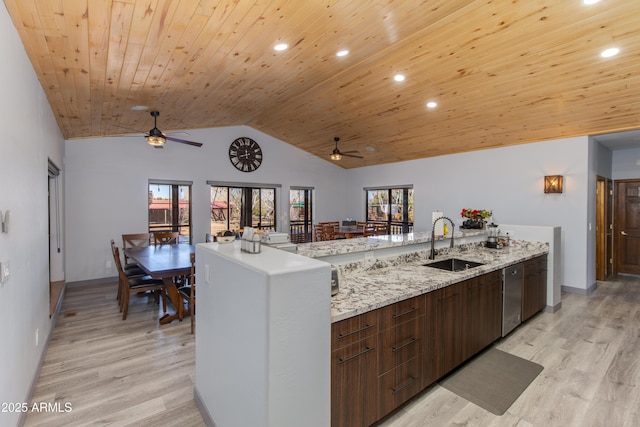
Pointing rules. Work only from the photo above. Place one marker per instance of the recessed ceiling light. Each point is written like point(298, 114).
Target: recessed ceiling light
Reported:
point(370, 149)
point(343, 52)
point(399, 77)
point(432, 104)
point(589, 2)
point(281, 46)
point(608, 53)
point(139, 108)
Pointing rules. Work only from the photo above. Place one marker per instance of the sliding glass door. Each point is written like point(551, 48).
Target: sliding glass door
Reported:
point(234, 207)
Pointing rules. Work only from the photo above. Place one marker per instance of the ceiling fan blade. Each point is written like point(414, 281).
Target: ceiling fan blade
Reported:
point(350, 152)
point(134, 130)
point(182, 141)
point(352, 155)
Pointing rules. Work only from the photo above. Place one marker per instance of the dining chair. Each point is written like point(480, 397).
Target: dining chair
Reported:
point(165, 237)
point(132, 270)
point(134, 285)
point(135, 240)
point(317, 233)
point(381, 229)
point(369, 230)
point(188, 293)
point(330, 231)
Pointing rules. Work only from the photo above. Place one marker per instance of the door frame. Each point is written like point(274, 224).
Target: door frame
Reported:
point(604, 228)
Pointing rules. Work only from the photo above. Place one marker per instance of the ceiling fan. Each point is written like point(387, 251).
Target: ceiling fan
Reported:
point(157, 139)
point(337, 154)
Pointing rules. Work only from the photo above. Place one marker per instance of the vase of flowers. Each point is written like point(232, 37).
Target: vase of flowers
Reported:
point(475, 218)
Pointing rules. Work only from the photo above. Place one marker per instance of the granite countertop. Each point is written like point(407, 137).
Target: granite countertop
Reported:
point(366, 286)
point(363, 244)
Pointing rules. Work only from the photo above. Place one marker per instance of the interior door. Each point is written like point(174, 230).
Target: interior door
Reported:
point(627, 226)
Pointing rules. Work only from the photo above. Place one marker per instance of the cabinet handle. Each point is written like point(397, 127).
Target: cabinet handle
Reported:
point(395, 316)
point(364, 328)
point(411, 341)
point(623, 233)
point(407, 384)
point(366, 350)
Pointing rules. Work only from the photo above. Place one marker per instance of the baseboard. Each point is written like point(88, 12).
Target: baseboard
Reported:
point(204, 412)
point(580, 291)
point(93, 282)
point(45, 349)
point(552, 309)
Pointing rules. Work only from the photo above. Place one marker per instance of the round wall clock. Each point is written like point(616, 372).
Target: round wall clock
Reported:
point(245, 154)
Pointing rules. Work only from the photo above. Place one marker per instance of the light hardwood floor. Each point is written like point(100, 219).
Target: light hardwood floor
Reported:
point(138, 373)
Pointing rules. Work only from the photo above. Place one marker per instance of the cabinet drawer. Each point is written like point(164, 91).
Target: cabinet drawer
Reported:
point(399, 385)
point(400, 312)
point(353, 329)
point(400, 344)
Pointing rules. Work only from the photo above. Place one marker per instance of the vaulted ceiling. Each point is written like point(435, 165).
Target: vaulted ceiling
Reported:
point(501, 72)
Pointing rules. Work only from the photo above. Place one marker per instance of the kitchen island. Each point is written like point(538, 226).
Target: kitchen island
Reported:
point(266, 326)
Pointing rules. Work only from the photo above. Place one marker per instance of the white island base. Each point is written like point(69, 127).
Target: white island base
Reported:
point(263, 327)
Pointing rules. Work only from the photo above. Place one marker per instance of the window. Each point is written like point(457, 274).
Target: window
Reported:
point(300, 219)
point(237, 206)
point(170, 208)
point(392, 206)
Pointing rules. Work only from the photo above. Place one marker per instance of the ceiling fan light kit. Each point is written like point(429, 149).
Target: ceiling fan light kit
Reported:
point(337, 154)
point(157, 139)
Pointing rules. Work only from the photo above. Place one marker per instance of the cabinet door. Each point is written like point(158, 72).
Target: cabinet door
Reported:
point(354, 382)
point(445, 324)
point(483, 310)
point(534, 286)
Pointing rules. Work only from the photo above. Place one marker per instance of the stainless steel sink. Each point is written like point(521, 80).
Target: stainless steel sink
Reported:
point(454, 264)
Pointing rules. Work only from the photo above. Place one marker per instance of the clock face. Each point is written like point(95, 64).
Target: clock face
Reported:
point(245, 154)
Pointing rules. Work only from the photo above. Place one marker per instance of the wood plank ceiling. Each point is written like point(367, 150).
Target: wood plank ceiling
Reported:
point(502, 72)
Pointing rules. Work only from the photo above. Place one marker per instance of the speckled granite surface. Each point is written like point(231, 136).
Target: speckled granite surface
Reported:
point(363, 244)
point(368, 285)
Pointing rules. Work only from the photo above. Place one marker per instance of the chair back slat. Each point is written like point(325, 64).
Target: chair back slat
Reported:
point(135, 240)
point(165, 237)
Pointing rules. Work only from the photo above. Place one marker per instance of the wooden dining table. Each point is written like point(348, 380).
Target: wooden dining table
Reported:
point(165, 262)
point(350, 231)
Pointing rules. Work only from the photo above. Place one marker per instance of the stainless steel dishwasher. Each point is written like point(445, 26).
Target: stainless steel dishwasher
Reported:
point(511, 297)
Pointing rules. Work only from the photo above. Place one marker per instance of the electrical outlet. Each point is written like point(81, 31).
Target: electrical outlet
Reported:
point(37, 337)
point(108, 263)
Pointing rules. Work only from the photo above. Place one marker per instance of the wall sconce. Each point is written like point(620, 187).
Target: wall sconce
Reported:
point(553, 184)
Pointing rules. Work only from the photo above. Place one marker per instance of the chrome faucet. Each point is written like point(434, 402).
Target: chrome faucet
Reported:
point(432, 254)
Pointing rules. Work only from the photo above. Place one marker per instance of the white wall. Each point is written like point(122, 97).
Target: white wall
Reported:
point(30, 136)
point(508, 181)
point(625, 164)
point(107, 184)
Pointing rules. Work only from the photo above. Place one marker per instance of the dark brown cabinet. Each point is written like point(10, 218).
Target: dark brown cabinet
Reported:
point(483, 312)
point(534, 286)
point(354, 369)
point(400, 343)
point(381, 359)
point(445, 326)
